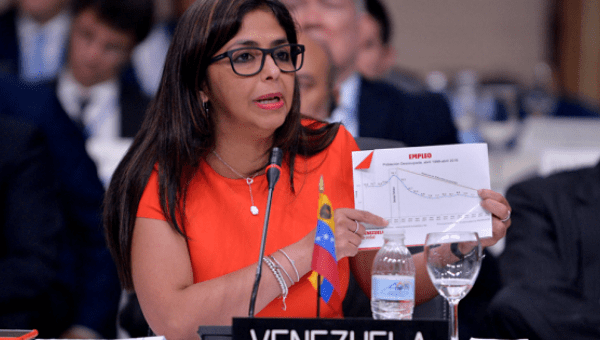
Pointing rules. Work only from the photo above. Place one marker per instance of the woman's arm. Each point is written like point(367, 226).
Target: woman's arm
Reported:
point(174, 306)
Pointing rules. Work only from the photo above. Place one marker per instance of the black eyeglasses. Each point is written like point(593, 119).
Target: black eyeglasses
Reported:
point(248, 61)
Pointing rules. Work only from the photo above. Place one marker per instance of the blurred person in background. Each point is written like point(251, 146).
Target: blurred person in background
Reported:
point(551, 265)
point(85, 267)
point(148, 58)
point(93, 87)
point(33, 38)
point(32, 230)
point(377, 56)
point(316, 80)
point(370, 108)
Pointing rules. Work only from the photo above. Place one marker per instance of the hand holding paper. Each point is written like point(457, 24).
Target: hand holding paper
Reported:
point(428, 189)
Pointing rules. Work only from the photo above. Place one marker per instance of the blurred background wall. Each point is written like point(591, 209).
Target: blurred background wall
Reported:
point(499, 39)
point(502, 39)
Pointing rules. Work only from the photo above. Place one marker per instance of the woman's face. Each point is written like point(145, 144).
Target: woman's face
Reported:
point(250, 105)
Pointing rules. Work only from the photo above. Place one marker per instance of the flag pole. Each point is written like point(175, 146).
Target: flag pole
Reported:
point(319, 296)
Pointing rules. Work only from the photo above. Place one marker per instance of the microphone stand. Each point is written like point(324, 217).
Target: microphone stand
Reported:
point(273, 171)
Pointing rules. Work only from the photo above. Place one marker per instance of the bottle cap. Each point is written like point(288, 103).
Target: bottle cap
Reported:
point(393, 231)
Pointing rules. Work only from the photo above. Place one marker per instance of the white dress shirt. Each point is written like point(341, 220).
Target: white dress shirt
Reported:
point(347, 110)
point(101, 116)
point(53, 36)
point(102, 119)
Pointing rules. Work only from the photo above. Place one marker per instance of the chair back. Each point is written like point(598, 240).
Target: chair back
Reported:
point(371, 143)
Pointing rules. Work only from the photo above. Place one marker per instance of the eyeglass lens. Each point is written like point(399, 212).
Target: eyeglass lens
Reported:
point(249, 61)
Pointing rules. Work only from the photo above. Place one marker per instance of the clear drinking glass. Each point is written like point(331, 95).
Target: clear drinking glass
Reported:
point(453, 262)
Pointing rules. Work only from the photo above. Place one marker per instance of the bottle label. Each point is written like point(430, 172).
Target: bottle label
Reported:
point(393, 287)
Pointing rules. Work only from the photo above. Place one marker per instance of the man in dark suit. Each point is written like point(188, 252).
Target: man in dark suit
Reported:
point(551, 263)
point(86, 265)
point(97, 87)
point(102, 38)
point(370, 108)
point(416, 119)
point(31, 234)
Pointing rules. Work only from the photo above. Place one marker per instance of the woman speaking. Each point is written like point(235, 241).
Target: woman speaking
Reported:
point(184, 211)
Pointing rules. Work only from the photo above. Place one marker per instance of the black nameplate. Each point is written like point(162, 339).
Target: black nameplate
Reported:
point(338, 329)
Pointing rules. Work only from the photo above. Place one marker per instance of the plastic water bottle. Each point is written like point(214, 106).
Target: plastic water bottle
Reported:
point(393, 278)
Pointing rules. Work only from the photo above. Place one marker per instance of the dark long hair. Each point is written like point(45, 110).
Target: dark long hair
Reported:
point(177, 133)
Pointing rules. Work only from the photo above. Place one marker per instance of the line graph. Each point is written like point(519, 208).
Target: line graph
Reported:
point(433, 178)
point(418, 197)
point(424, 195)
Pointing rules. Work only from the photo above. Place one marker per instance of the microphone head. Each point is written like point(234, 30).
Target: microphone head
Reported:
point(274, 167)
point(276, 156)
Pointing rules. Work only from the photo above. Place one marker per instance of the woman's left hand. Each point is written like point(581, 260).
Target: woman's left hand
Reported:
point(349, 229)
point(498, 206)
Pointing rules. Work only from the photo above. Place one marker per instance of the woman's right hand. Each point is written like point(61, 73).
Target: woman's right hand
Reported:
point(349, 230)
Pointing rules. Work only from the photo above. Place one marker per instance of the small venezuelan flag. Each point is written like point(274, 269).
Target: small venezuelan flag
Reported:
point(324, 262)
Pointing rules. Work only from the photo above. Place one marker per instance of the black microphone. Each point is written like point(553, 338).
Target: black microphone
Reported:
point(274, 167)
point(273, 171)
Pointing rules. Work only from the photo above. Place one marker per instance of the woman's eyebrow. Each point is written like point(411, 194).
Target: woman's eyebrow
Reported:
point(252, 43)
point(279, 42)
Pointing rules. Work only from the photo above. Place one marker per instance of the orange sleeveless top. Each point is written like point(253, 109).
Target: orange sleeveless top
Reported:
point(224, 236)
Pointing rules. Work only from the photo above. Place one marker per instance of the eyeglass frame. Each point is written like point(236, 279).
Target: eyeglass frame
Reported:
point(264, 51)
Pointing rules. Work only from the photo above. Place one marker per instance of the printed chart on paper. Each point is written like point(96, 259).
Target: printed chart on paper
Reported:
point(424, 189)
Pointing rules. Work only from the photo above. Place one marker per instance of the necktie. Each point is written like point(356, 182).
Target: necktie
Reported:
point(80, 117)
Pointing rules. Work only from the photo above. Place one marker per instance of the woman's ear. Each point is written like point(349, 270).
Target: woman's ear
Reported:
point(203, 96)
point(204, 93)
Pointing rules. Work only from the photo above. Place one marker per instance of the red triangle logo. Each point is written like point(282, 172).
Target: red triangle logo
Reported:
point(366, 163)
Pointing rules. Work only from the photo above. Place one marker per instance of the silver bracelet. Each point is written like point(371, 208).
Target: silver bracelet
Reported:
point(280, 280)
point(292, 262)
point(281, 268)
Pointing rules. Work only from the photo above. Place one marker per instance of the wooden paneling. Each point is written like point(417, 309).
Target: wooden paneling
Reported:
point(568, 45)
point(578, 49)
point(589, 69)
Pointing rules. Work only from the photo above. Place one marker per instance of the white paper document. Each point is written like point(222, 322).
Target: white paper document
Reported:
point(423, 190)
